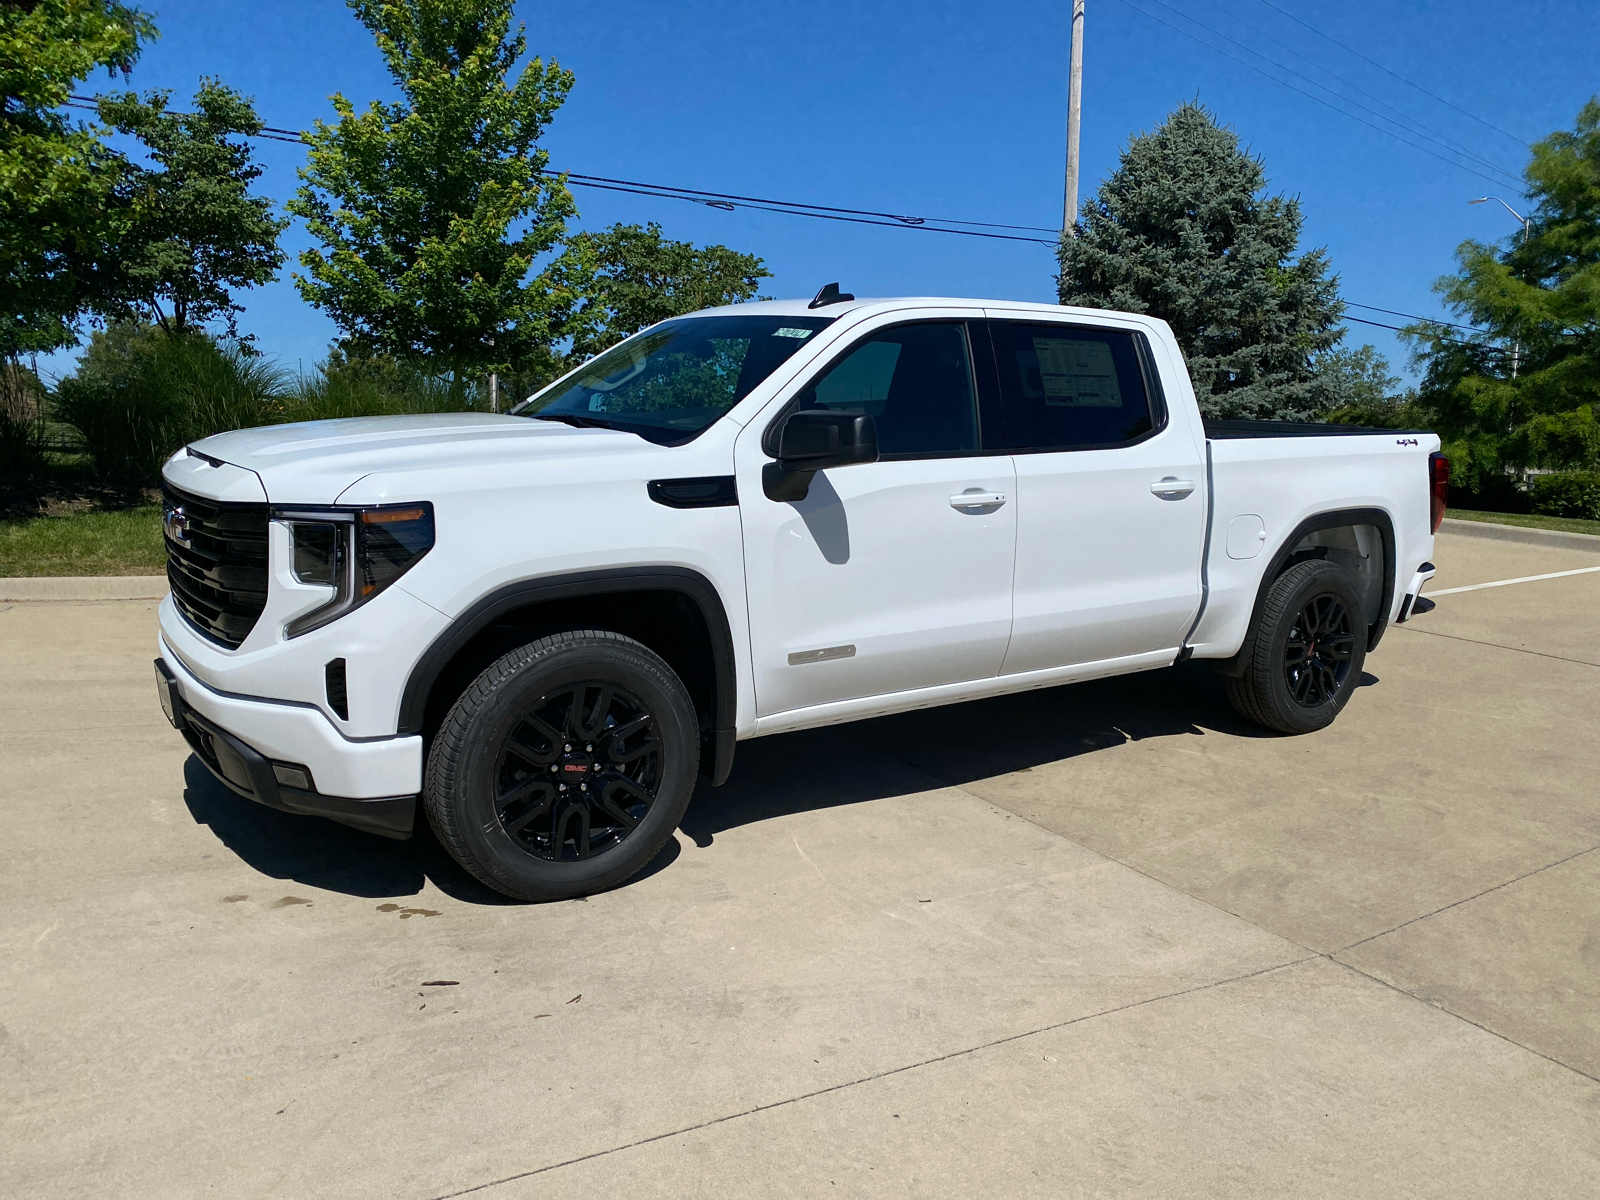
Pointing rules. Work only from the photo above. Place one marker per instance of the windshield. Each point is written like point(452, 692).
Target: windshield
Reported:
point(670, 382)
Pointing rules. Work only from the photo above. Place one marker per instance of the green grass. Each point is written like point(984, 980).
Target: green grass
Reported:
point(1565, 524)
point(127, 541)
point(107, 542)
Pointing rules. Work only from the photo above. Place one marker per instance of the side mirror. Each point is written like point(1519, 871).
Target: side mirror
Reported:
point(813, 440)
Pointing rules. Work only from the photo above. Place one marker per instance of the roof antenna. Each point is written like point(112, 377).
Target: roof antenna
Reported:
point(830, 294)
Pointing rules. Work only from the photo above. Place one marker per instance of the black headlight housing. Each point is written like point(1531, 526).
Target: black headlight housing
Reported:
point(356, 551)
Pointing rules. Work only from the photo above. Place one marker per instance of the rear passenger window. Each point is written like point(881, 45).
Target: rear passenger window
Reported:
point(915, 381)
point(1065, 387)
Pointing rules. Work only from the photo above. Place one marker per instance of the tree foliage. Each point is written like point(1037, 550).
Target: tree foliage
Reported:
point(191, 232)
point(631, 277)
point(56, 175)
point(444, 237)
point(1182, 230)
point(1526, 394)
point(433, 210)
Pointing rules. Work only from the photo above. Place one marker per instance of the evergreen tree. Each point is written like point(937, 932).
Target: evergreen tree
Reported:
point(1525, 395)
point(1182, 230)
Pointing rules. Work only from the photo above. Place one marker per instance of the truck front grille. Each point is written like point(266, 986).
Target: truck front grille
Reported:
point(216, 563)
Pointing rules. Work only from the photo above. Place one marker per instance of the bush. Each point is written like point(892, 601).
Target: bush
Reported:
point(1568, 494)
point(22, 424)
point(366, 387)
point(139, 395)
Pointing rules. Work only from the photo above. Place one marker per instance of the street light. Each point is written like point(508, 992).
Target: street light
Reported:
point(1527, 223)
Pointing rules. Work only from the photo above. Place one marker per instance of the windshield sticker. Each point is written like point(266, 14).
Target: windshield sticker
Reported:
point(786, 331)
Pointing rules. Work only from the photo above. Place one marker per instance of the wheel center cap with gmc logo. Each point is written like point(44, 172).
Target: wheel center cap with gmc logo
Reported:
point(576, 765)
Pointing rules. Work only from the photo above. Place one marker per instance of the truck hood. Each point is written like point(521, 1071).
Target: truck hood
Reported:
point(313, 462)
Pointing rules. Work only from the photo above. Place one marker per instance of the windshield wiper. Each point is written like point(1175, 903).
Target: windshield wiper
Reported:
point(574, 419)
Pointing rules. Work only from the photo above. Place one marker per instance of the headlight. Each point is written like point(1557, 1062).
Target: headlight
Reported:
point(356, 551)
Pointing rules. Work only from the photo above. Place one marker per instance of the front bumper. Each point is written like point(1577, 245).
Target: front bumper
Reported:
point(382, 776)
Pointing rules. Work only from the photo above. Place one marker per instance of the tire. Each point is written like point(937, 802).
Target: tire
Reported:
point(1294, 683)
point(541, 798)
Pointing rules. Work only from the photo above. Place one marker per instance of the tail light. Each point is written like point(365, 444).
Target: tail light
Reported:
point(1438, 485)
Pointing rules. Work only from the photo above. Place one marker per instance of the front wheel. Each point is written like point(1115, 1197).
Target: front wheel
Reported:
point(1306, 657)
point(564, 768)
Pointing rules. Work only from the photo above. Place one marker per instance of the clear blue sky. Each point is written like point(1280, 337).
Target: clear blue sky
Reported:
point(956, 110)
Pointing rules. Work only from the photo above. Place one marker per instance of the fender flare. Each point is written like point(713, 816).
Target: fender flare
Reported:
point(1378, 519)
point(525, 592)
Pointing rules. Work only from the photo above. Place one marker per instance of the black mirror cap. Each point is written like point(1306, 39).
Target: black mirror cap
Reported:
point(815, 439)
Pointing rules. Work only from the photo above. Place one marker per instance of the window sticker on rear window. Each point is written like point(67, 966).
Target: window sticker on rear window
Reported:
point(1077, 373)
point(789, 331)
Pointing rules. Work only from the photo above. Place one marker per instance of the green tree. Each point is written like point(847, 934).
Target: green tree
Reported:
point(192, 232)
point(1526, 394)
point(56, 175)
point(631, 277)
point(433, 210)
point(1182, 230)
point(1359, 388)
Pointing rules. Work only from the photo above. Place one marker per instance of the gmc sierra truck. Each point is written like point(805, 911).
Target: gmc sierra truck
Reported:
point(545, 624)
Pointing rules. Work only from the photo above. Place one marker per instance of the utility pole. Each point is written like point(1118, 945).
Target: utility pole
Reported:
point(1069, 207)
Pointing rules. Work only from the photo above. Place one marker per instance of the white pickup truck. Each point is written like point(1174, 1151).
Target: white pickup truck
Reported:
point(546, 624)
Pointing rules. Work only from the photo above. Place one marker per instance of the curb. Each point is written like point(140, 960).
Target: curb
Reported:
point(92, 587)
point(1517, 533)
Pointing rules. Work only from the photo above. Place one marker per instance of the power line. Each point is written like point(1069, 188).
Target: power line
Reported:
point(729, 201)
point(1414, 317)
point(1406, 120)
point(1300, 91)
point(1396, 74)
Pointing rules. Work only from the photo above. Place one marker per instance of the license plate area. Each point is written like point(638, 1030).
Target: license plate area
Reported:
point(167, 694)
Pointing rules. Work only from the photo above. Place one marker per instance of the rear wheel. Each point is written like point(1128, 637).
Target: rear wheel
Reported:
point(1308, 650)
point(565, 767)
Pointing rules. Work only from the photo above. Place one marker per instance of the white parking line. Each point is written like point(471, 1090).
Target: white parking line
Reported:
point(1508, 582)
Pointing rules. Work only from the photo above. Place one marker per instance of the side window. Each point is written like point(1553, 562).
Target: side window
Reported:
point(1066, 387)
point(915, 381)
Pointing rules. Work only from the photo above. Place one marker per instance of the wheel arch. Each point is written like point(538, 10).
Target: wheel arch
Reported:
point(675, 611)
point(1282, 558)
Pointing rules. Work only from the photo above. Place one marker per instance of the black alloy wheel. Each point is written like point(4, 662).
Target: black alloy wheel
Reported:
point(1305, 651)
point(564, 768)
point(1316, 657)
point(578, 771)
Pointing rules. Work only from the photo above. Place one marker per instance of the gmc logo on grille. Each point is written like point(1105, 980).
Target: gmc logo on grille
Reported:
point(175, 524)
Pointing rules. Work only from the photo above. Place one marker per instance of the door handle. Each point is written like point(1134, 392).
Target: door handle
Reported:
point(977, 498)
point(1172, 488)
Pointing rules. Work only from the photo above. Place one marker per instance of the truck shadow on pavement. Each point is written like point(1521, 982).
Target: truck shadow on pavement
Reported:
point(772, 777)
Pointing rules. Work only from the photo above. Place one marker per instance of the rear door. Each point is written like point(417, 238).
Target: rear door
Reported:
point(1111, 501)
point(894, 575)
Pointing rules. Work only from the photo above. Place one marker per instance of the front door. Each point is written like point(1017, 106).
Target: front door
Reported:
point(889, 576)
point(1111, 501)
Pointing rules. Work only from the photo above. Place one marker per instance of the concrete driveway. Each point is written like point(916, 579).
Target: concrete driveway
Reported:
point(1102, 940)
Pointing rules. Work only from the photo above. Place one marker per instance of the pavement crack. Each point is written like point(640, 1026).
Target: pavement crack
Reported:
point(1450, 1012)
point(1582, 662)
point(1466, 899)
point(892, 1071)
